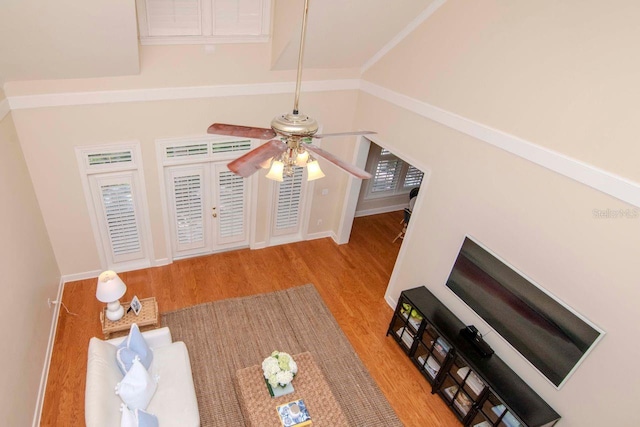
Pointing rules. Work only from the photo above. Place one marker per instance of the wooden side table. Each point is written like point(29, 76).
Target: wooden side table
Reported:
point(147, 319)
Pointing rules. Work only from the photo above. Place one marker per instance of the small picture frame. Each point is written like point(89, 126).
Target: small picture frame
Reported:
point(136, 305)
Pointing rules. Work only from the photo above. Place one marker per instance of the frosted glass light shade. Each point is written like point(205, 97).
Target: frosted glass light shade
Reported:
point(301, 159)
point(275, 173)
point(110, 289)
point(313, 171)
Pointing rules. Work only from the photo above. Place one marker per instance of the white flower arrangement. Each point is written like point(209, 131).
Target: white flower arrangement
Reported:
point(279, 369)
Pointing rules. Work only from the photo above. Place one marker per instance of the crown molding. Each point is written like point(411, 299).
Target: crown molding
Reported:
point(599, 179)
point(174, 93)
point(418, 20)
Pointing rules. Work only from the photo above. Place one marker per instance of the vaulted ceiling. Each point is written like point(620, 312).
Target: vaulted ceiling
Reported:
point(71, 39)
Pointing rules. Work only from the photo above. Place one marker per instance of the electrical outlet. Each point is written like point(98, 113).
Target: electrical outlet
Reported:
point(319, 222)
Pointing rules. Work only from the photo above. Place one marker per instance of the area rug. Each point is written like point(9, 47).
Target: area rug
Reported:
point(228, 335)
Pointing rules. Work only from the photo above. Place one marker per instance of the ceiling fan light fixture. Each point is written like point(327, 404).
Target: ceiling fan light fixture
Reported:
point(302, 158)
point(313, 171)
point(276, 171)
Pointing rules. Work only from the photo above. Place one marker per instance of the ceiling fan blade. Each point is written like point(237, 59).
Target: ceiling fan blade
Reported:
point(326, 135)
point(249, 164)
point(243, 131)
point(353, 170)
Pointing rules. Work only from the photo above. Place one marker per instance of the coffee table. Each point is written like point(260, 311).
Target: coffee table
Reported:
point(259, 408)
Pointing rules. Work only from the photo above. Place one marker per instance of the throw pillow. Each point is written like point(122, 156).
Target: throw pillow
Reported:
point(146, 419)
point(137, 387)
point(128, 418)
point(124, 358)
point(136, 344)
point(137, 418)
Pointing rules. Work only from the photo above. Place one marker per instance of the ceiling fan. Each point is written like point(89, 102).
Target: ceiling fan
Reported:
point(295, 131)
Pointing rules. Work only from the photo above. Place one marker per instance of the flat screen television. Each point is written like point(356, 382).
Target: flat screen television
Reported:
point(548, 333)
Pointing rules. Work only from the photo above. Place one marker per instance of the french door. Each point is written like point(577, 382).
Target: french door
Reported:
point(208, 208)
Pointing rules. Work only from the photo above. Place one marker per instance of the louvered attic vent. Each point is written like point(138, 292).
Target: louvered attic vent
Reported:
point(98, 159)
point(230, 146)
point(186, 150)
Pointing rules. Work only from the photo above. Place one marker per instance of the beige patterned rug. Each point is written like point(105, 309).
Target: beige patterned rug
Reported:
point(228, 335)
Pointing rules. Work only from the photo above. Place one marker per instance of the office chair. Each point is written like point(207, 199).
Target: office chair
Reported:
point(407, 213)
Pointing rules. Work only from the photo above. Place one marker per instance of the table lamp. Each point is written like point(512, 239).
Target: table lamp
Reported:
point(110, 289)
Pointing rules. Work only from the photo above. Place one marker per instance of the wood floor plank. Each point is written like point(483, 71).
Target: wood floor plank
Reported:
point(351, 279)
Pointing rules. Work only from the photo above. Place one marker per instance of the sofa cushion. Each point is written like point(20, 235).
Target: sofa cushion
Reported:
point(175, 402)
point(137, 387)
point(137, 418)
point(135, 344)
point(101, 403)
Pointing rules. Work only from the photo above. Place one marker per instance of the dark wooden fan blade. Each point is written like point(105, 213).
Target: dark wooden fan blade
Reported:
point(353, 170)
point(249, 164)
point(242, 131)
point(326, 135)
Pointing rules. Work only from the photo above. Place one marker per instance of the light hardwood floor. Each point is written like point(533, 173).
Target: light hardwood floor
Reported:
point(351, 279)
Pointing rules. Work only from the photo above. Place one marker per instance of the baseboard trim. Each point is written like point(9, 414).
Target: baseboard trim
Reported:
point(47, 358)
point(384, 209)
point(392, 303)
point(81, 276)
point(320, 235)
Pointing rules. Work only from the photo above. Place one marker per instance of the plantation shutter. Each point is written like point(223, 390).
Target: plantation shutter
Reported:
point(120, 226)
point(289, 204)
point(174, 17)
point(413, 177)
point(231, 206)
point(233, 17)
point(188, 204)
point(386, 174)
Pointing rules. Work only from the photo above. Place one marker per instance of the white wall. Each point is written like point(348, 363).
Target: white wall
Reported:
point(49, 150)
point(66, 38)
point(30, 276)
point(545, 72)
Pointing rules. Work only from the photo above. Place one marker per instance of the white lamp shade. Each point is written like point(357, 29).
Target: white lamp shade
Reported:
point(275, 173)
point(313, 171)
point(301, 159)
point(110, 287)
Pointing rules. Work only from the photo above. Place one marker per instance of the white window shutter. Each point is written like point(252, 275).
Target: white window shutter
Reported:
point(174, 17)
point(188, 209)
point(237, 17)
point(114, 196)
point(386, 174)
point(289, 204)
point(231, 206)
point(413, 178)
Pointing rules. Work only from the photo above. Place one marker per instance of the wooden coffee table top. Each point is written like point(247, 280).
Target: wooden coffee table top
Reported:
point(310, 385)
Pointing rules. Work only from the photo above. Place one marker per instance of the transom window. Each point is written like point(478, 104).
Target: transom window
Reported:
point(203, 21)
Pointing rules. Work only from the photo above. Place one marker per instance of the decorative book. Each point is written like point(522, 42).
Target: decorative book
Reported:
point(279, 391)
point(294, 414)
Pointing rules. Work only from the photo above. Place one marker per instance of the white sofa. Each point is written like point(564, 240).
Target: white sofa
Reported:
point(174, 402)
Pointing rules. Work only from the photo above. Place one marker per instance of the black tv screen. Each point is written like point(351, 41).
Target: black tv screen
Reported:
point(546, 332)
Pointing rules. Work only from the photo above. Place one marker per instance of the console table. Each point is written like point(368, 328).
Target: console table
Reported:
point(481, 391)
point(259, 408)
point(147, 319)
